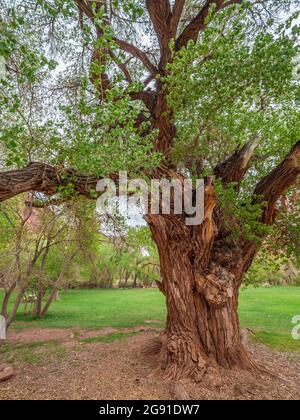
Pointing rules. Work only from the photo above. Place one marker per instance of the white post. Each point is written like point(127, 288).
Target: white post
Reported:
point(2, 68)
point(2, 328)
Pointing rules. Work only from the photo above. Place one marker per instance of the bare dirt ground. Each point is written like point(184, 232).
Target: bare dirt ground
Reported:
point(65, 365)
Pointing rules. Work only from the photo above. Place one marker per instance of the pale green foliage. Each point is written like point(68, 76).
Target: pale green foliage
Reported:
point(58, 115)
point(272, 269)
point(241, 215)
point(289, 224)
point(104, 140)
point(278, 261)
point(130, 254)
point(287, 232)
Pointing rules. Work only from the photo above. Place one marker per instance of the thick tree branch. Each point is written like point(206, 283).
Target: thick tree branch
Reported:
point(46, 179)
point(136, 52)
point(147, 97)
point(198, 24)
point(235, 167)
point(85, 8)
point(176, 16)
point(160, 15)
point(270, 188)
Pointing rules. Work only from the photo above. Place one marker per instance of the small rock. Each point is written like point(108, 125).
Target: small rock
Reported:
point(6, 372)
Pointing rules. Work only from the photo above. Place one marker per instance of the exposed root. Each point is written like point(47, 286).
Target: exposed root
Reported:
point(259, 369)
point(208, 377)
point(178, 392)
point(264, 371)
point(182, 365)
point(152, 348)
point(175, 359)
point(240, 359)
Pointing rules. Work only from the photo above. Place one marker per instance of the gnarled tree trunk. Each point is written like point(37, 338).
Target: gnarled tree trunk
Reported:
point(202, 272)
point(202, 330)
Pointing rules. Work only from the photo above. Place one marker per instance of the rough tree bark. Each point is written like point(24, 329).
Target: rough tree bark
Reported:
point(201, 285)
point(43, 178)
point(202, 330)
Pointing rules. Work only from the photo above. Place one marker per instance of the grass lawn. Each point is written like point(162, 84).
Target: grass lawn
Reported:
point(267, 311)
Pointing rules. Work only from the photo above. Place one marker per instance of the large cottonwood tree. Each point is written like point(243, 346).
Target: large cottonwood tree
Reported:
point(168, 89)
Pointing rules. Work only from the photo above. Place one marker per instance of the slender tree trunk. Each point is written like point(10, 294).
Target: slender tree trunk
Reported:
point(52, 296)
point(6, 299)
point(38, 303)
point(56, 296)
point(15, 307)
point(202, 330)
point(134, 284)
point(127, 275)
point(58, 284)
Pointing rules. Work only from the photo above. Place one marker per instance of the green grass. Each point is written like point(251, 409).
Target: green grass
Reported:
point(117, 308)
point(32, 353)
point(108, 338)
point(267, 311)
point(278, 341)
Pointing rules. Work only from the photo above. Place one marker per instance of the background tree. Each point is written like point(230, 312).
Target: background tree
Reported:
point(43, 246)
